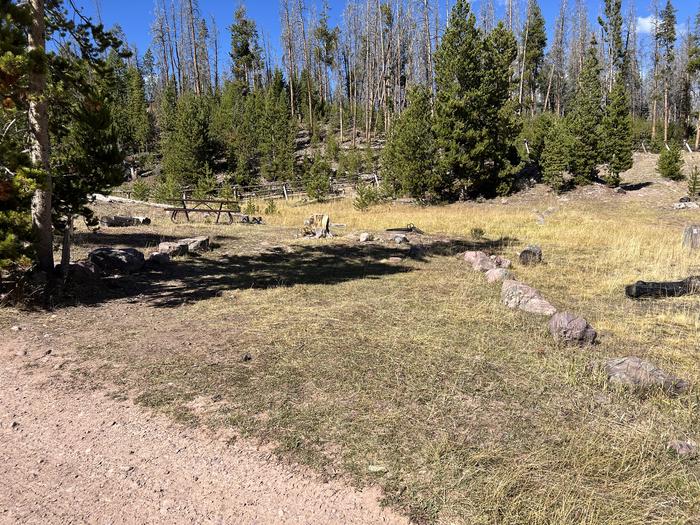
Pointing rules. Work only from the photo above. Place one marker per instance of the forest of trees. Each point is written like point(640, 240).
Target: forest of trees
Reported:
point(443, 107)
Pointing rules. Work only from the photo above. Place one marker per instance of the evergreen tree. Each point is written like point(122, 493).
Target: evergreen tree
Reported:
point(138, 119)
point(408, 157)
point(277, 133)
point(534, 44)
point(246, 55)
point(317, 178)
point(616, 144)
point(474, 123)
point(585, 119)
point(555, 156)
point(671, 162)
point(187, 148)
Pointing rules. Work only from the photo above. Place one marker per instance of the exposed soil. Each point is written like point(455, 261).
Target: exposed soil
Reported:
point(70, 456)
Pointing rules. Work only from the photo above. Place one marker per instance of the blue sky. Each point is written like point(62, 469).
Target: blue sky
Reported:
point(135, 16)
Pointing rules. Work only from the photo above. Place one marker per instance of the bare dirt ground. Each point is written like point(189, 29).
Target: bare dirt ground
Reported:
point(72, 456)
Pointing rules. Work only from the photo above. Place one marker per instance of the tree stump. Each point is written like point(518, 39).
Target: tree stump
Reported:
point(642, 289)
point(691, 237)
point(531, 255)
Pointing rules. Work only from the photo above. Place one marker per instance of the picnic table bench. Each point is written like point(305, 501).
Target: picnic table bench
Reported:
point(216, 207)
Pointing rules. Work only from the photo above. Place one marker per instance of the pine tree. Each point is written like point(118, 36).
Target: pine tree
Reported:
point(474, 122)
point(138, 119)
point(555, 156)
point(584, 121)
point(187, 148)
point(408, 166)
point(534, 44)
point(667, 38)
point(277, 133)
point(694, 183)
point(616, 143)
point(671, 162)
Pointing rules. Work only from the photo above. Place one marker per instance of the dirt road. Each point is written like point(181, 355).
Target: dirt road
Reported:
point(81, 457)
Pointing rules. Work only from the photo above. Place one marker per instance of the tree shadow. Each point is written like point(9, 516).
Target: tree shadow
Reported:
point(200, 278)
point(635, 186)
point(133, 239)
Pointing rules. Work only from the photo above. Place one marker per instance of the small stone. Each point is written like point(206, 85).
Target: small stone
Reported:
point(366, 237)
point(497, 274)
point(569, 328)
point(501, 262)
point(395, 260)
point(531, 255)
point(14, 425)
point(401, 239)
point(375, 469)
point(688, 448)
point(620, 190)
point(16, 328)
point(247, 357)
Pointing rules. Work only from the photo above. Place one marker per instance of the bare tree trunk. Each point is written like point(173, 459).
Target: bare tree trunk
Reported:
point(429, 51)
point(66, 246)
point(39, 142)
point(195, 58)
point(522, 64)
point(290, 51)
point(667, 115)
point(215, 41)
point(697, 134)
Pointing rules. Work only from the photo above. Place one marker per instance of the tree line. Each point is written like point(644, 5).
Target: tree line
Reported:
point(445, 107)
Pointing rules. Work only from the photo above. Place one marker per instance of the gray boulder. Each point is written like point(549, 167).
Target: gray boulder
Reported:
point(569, 328)
point(483, 263)
point(515, 294)
point(113, 261)
point(366, 237)
point(81, 272)
point(158, 259)
point(196, 244)
point(633, 372)
point(401, 239)
point(173, 249)
point(531, 255)
point(497, 275)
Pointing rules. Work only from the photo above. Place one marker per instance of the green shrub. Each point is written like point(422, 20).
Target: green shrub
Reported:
point(367, 195)
point(250, 208)
point(350, 165)
point(271, 207)
point(317, 181)
point(670, 163)
point(555, 157)
point(332, 147)
point(167, 188)
point(140, 191)
point(206, 185)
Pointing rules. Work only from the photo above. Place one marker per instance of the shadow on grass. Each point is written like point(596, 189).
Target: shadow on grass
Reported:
point(199, 278)
point(132, 239)
point(635, 186)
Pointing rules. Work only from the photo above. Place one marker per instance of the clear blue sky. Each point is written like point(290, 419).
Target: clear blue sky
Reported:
point(136, 16)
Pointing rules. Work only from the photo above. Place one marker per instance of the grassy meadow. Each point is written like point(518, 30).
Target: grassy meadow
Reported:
point(414, 376)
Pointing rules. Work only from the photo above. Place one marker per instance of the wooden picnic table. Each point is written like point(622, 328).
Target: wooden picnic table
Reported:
point(212, 206)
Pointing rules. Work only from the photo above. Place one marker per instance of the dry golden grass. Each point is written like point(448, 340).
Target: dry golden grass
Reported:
point(415, 377)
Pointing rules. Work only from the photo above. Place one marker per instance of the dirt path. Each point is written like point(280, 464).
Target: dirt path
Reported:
point(80, 457)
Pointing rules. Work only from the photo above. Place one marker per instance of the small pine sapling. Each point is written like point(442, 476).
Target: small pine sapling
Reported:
point(694, 184)
point(671, 163)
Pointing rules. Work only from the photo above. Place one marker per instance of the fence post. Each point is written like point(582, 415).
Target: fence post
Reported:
point(376, 180)
point(284, 190)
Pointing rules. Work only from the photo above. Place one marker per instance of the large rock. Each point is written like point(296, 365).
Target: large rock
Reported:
point(691, 237)
point(173, 249)
point(639, 374)
point(497, 275)
point(81, 272)
point(158, 259)
point(483, 263)
point(531, 255)
point(118, 221)
point(113, 261)
point(518, 295)
point(196, 244)
point(569, 328)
